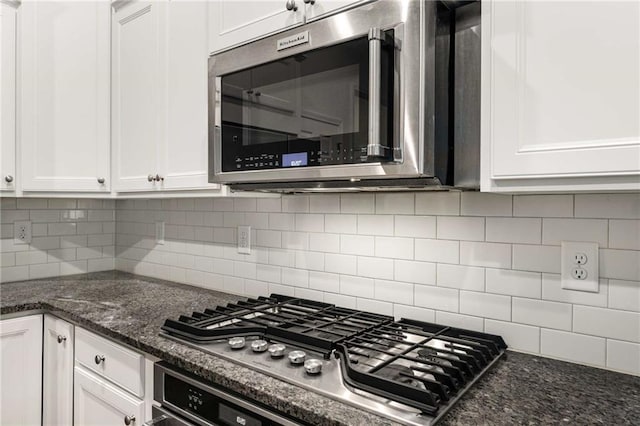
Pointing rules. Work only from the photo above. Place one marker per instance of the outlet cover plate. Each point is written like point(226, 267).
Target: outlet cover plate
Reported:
point(244, 239)
point(568, 251)
point(21, 232)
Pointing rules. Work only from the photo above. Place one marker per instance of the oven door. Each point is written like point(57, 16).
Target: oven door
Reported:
point(323, 101)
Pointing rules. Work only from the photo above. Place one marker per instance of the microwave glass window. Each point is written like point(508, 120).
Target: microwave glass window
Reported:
point(305, 110)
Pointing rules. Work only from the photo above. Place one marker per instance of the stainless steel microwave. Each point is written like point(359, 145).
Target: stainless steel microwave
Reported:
point(382, 95)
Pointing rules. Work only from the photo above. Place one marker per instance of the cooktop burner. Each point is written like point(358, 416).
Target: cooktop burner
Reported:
point(409, 371)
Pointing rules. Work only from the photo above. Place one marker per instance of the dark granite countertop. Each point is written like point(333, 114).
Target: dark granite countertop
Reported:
point(520, 389)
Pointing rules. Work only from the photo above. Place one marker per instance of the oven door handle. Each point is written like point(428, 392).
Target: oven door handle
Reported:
point(377, 37)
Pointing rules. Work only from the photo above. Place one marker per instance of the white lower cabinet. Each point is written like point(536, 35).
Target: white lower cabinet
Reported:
point(57, 383)
point(21, 371)
point(98, 403)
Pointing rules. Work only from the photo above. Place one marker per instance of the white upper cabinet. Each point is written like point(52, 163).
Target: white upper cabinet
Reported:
point(235, 22)
point(8, 96)
point(137, 95)
point(65, 90)
point(160, 74)
point(316, 9)
point(560, 96)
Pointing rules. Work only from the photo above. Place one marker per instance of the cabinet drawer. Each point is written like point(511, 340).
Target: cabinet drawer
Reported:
point(122, 366)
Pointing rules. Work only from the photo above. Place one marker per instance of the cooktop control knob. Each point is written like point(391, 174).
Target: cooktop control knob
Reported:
point(296, 357)
point(277, 350)
point(313, 366)
point(259, 345)
point(236, 342)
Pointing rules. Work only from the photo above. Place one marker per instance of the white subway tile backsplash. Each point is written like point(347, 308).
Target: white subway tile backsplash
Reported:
point(266, 238)
point(613, 206)
point(536, 258)
point(357, 244)
point(269, 204)
point(295, 203)
point(31, 203)
point(394, 247)
point(295, 240)
point(340, 300)
point(603, 322)
point(415, 226)
point(375, 225)
point(244, 204)
point(14, 273)
point(65, 229)
point(552, 290)
point(541, 313)
point(460, 228)
point(357, 203)
point(513, 283)
point(585, 349)
point(619, 264)
point(373, 267)
point(554, 231)
point(268, 273)
point(414, 313)
point(10, 216)
point(341, 223)
point(623, 356)
point(543, 205)
point(395, 203)
point(282, 257)
point(485, 305)
point(324, 203)
point(282, 221)
point(324, 281)
point(357, 286)
point(306, 293)
point(492, 255)
point(295, 277)
point(460, 321)
point(415, 272)
point(439, 298)
point(441, 251)
point(394, 291)
point(44, 270)
point(460, 277)
point(438, 203)
point(312, 261)
point(310, 222)
point(624, 234)
point(340, 263)
point(514, 230)
point(481, 204)
point(31, 257)
point(329, 243)
point(44, 216)
point(624, 295)
point(517, 336)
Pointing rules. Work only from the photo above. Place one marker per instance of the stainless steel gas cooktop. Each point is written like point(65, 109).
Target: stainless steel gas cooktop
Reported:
point(409, 371)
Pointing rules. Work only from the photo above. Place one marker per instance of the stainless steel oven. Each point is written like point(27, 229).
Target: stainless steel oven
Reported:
point(362, 96)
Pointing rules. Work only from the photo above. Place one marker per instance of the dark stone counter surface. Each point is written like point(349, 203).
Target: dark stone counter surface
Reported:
point(521, 389)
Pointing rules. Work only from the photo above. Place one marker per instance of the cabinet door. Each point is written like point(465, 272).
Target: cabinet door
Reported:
point(65, 86)
point(138, 103)
point(7, 96)
point(235, 22)
point(21, 371)
point(184, 161)
point(321, 8)
point(57, 383)
point(561, 95)
point(97, 403)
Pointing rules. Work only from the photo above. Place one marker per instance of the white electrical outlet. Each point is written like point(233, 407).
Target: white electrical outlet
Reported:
point(22, 232)
point(244, 239)
point(580, 266)
point(160, 232)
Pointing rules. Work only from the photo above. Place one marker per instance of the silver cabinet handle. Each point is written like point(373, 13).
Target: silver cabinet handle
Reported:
point(8, 178)
point(291, 5)
point(159, 178)
point(61, 338)
point(99, 358)
point(311, 2)
point(129, 419)
point(100, 180)
point(376, 37)
point(151, 178)
point(156, 178)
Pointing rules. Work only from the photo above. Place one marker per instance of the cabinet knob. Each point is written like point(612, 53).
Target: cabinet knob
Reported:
point(99, 358)
point(151, 178)
point(291, 5)
point(8, 178)
point(312, 2)
point(61, 338)
point(129, 419)
point(101, 180)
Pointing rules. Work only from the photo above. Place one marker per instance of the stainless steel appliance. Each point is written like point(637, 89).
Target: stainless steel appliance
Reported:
point(409, 371)
point(383, 94)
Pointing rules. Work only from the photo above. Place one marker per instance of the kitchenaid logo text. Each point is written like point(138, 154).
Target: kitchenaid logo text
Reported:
point(294, 40)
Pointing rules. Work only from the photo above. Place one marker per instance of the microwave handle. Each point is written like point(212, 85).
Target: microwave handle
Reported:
point(376, 39)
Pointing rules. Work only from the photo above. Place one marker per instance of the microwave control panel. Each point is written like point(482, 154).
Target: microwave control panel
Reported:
point(320, 157)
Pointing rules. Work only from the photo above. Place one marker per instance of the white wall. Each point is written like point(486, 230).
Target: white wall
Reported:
point(69, 237)
point(480, 261)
